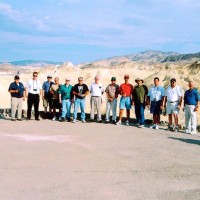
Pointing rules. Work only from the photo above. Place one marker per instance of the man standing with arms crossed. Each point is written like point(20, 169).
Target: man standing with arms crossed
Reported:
point(96, 89)
point(17, 92)
point(191, 99)
point(112, 91)
point(33, 92)
point(125, 90)
point(173, 101)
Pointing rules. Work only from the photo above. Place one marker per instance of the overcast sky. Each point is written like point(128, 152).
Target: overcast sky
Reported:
point(87, 30)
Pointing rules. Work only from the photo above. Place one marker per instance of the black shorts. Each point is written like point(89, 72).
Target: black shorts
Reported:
point(56, 104)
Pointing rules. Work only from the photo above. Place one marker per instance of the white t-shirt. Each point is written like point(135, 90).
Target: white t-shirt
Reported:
point(156, 93)
point(173, 94)
point(96, 89)
point(34, 86)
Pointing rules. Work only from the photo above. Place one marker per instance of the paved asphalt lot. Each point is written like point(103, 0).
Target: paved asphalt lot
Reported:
point(48, 160)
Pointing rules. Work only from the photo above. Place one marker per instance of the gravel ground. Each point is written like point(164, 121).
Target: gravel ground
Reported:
point(48, 160)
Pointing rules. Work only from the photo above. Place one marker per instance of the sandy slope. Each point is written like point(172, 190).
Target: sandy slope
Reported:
point(181, 71)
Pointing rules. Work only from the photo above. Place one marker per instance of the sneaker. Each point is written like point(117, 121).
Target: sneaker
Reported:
point(54, 119)
point(60, 118)
point(127, 123)
point(175, 128)
point(153, 126)
point(119, 123)
point(99, 121)
point(107, 121)
point(193, 133)
point(83, 121)
point(141, 126)
point(114, 121)
point(74, 121)
point(156, 127)
point(187, 131)
point(170, 128)
point(13, 120)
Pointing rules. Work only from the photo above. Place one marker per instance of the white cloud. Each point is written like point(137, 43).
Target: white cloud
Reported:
point(22, 18)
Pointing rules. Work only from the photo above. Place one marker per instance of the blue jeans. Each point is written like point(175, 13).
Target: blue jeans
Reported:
point(139, 112)
point(66, 108)
point(81, 103)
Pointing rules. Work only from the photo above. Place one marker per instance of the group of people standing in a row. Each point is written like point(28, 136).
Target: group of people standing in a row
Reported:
point(57, 96)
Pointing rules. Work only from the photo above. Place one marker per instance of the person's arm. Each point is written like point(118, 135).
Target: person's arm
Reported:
point(165, 100)
point(197, 100)
point(133, 97)
point(145, 97)
point(72, 95)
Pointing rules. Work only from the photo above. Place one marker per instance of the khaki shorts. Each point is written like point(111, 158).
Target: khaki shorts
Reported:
point(172, 108)
point(47, 102)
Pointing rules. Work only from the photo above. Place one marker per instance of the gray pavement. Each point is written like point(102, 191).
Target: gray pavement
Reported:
point(48, 160)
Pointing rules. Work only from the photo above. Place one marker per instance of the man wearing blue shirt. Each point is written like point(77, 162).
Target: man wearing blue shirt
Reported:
point(155, 99)
point(46, 95)
point(191, 99)
point(17, 92)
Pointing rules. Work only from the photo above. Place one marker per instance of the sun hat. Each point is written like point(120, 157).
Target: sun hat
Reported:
point(139, 79)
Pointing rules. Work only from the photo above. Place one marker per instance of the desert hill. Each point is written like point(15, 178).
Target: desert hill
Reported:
point(145, 64)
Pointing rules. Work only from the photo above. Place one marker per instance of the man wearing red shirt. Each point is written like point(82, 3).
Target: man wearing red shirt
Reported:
point(125, 91)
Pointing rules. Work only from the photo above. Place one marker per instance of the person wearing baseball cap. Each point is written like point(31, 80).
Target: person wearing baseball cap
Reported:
point(173, 101)
point(46, 95)
point(17, 92)
point(125, 90)
point(139, 101)
point(112, 92)
point(66, 97)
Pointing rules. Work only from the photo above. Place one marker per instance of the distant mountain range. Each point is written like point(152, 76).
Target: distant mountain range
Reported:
point(144, 56)
point(35, 63)
point(159, 56)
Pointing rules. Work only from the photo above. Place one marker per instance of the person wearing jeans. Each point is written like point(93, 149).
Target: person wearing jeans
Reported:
point(80, 91)
point(191, 99)
point(66, 97)
point(139, 100)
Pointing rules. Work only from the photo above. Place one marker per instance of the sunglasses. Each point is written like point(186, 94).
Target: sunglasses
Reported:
point(34, 75)
point(80, 80)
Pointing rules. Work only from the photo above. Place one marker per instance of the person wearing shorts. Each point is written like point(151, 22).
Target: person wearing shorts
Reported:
point(173, 101)
point(139, 101)
point(125, 90)
point(155, 99)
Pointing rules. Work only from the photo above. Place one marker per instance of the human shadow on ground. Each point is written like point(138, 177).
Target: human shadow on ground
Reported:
point(189, 141)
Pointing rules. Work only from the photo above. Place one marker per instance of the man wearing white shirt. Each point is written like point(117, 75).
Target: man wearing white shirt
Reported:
point(155, 99)
point(33, 92)
point(96, 90)
point(173, 101)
